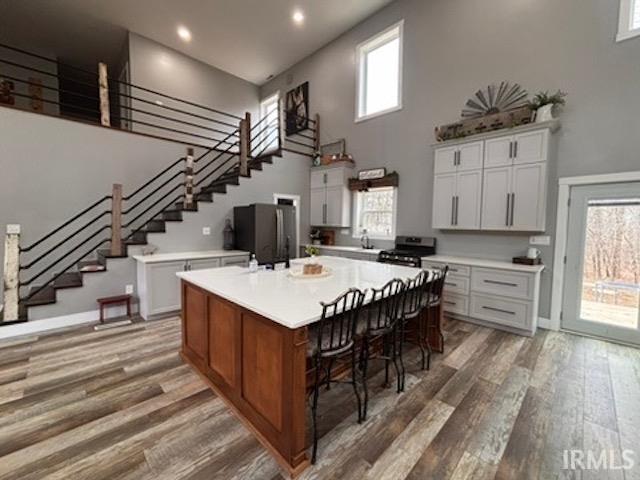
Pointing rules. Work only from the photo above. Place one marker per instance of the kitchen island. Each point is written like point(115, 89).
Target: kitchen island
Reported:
point(246, 334)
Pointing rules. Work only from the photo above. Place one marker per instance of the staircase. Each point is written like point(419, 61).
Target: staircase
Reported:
point(110, 226)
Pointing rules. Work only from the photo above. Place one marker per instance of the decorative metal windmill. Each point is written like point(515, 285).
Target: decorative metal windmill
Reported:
point(492, 99)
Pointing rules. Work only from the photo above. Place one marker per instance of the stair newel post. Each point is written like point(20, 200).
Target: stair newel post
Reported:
point(244, 152)
point(116, 220)
point(188, 179)
point(316, 138)
point(11, 288)
point(103, 85)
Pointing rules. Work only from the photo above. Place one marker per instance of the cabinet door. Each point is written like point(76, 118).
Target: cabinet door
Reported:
point(338, 212)
point(335, 177)
point(498, 152)
point(469, 200)
point(164, 286)
point(470, 156)
point(444, 160)
point(529, 206)
point(444, 191)
point(204, 263)
point(495, 198)
point(318, 178)
point(531, 147)
point(317, 202)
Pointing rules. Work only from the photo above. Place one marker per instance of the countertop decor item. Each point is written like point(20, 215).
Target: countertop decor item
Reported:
point(527, 261)
point(228, 235)
point(545, 103)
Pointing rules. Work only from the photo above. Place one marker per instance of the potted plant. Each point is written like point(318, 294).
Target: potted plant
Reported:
point(543, 104)
point(311, 250)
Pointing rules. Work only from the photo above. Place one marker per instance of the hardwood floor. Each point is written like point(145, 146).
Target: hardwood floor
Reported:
point(119, 403)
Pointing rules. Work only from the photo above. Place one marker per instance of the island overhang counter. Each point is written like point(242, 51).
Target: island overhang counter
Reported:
point(246, 335)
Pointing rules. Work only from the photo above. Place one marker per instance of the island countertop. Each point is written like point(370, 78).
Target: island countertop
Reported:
point(294, 302)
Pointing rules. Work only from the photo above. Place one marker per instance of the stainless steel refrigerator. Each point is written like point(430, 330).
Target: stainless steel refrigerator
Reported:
point(263, 229)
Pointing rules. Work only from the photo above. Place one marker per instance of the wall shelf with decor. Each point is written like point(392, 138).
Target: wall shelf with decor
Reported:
point(389, 180)
point(552, 125)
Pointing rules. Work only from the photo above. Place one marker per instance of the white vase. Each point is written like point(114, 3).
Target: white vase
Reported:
point(544, 113)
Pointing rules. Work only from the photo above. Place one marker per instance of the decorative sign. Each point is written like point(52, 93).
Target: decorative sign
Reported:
point(372, 174)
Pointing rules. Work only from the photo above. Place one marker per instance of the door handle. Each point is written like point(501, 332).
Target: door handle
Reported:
point(513, 207)
point(506, 221)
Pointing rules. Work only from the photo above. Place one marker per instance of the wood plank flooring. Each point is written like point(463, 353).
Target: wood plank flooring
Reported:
point(120, 404)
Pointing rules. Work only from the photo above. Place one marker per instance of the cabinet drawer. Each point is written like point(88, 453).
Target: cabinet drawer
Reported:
point(456, 284)
point(503, 283)
point(458, 270)
point(238, 261)
point(454, 303)
point(512, 313)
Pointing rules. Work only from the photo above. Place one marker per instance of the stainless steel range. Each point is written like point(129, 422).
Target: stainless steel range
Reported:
point(408, 251)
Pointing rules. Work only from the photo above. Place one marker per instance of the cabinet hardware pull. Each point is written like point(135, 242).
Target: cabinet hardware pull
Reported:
point(513, 207)
point(457, 204)
point(453, 210)
point(515, 149)
point(506, 284)
point(506, 221)
point(451, 284)
point(498, 310)
point(449, 303)
point(325, 178)
point(510, 150)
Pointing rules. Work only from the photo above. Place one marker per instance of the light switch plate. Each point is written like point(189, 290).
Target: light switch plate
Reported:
point(540, 240)
point(206, 230)
point(128, 289)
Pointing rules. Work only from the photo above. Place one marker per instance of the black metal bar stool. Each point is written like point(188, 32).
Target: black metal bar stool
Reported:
point(434, 298)
point(331, 340)
point(379, 323)
point(413, 303)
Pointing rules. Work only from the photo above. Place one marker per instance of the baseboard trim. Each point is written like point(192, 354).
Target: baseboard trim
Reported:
point(545, 323)
point(56, 323)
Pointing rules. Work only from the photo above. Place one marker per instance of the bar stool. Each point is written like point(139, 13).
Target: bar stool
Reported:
point(379, 322)
point(434, 298)
point(413, 303)
point(332, 340)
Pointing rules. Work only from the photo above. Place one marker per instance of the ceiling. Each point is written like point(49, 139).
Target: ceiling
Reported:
point(252, 39)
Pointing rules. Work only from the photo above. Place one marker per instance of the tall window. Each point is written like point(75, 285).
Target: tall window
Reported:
point(268, 127)
point(380, 73)
point(376, 213)
point(629, 25)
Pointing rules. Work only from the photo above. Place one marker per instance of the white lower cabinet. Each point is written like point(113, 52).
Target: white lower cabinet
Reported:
point(158, 285)
point(505, 297)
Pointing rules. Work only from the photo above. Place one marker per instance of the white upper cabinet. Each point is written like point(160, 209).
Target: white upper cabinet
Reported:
point(498, 152)
point(330, 199)
point(528, 200)
point(459, 158)
point(531, 147)
point(470, 156)
point(498, 183)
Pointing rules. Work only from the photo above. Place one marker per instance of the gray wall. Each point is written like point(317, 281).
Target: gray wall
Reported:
point(162, 69)
point(454, 47)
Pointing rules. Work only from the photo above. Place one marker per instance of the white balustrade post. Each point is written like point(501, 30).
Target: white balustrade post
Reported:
point(11, 283)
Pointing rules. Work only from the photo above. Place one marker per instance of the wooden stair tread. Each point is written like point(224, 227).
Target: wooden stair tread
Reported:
point(45, 296)
point(68, 280)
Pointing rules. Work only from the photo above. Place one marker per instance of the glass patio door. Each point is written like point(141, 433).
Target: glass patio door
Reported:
point(602, 274)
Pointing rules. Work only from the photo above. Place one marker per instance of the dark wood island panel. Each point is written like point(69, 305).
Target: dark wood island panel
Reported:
point(255, 365)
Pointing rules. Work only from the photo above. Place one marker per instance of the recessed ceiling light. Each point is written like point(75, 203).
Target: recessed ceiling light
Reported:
point(298, 16)
point(184, 33)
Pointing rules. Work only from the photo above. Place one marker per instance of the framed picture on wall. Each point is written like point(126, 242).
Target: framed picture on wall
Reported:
point(297, 109)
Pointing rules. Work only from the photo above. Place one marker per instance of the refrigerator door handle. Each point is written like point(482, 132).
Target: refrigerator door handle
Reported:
point(278, 233)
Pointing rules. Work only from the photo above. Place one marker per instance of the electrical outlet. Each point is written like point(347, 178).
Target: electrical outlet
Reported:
point(128, 289)
point(206, 230)
point(540, 240)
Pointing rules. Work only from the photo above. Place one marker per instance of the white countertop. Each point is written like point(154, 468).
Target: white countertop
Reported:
point(345, 248)
point(294, 302)
point(479, 262)
point(170, 257)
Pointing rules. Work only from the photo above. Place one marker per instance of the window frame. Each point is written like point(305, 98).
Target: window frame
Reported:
point(362, 50)
point(626, 30)
point(357, 231)
point(263, 108)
